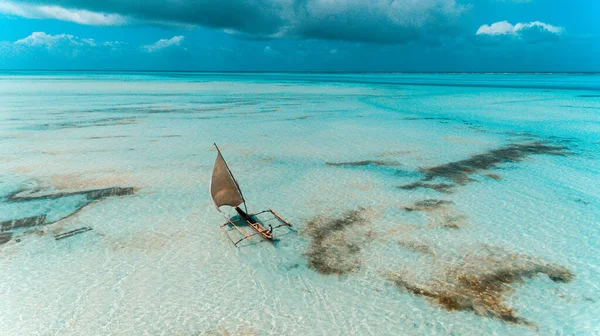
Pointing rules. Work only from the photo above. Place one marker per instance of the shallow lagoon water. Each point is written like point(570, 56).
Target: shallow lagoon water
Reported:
point(315, 148)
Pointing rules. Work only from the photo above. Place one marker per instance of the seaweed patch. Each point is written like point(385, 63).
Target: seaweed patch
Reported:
point(445, 188)
point(452, 221)
point(22, 223)
point(416, 246)
point(364, 163)
point(91, 196)
point(298, 118)
point(72, 233)
point(427, 205)
point(5, 237)
point(494, 176)
point(107, 137)
point(439, 212)
point(459, 172)
point(334, 249)
point(481, 283)
point(90, 123)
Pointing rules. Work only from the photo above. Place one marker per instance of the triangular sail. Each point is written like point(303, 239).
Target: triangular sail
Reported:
point(223, 187)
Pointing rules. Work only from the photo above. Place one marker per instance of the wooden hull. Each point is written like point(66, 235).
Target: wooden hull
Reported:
point(252, 222)
point(255, 224)
point(261, 230)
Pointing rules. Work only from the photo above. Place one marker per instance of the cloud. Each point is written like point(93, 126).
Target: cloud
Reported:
point(378, 21)
point(59, 13)
point(163, 43)
point(42, 44)
point(41, 39)
point(113, 44)
point(532, 32)
point(504, 28)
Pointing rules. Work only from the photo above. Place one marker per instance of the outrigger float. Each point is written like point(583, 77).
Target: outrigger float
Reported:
point(225, 190)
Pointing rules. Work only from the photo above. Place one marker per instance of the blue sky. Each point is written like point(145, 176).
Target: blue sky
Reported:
point(301, 35)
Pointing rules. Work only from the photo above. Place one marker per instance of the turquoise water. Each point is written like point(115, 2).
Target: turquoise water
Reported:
point(399, 187)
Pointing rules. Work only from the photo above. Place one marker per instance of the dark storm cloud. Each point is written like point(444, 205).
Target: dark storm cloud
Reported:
point(379, 21)
point(374, 21)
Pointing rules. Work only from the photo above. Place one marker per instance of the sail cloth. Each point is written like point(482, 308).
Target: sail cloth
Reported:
point(223, 187)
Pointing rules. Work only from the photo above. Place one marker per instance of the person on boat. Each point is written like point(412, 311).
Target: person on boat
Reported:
point(270, 230)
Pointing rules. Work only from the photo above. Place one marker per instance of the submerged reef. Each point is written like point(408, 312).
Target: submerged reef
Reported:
point(459, 172)
point(336, 242)
point(480, 283)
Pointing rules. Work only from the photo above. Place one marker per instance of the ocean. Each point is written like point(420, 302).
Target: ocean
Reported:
point(421, 204)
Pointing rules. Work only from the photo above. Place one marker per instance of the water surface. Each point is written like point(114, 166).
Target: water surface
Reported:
point(448, 204)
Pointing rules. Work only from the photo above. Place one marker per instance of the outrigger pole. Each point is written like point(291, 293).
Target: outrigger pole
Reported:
point(229, 222)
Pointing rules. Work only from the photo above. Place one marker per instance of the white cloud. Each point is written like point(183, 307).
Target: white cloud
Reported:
point(537, 24)
point(59, 13)
point(65, 44)
point(506, 28)
point(164, 43)
point(41, 39)
point(498, 28)
point(113, 44)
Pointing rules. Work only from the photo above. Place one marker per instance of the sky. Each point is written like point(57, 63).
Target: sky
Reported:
point(302, 35)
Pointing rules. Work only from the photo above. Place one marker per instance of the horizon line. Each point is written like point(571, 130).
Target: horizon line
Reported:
point(304, 71)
